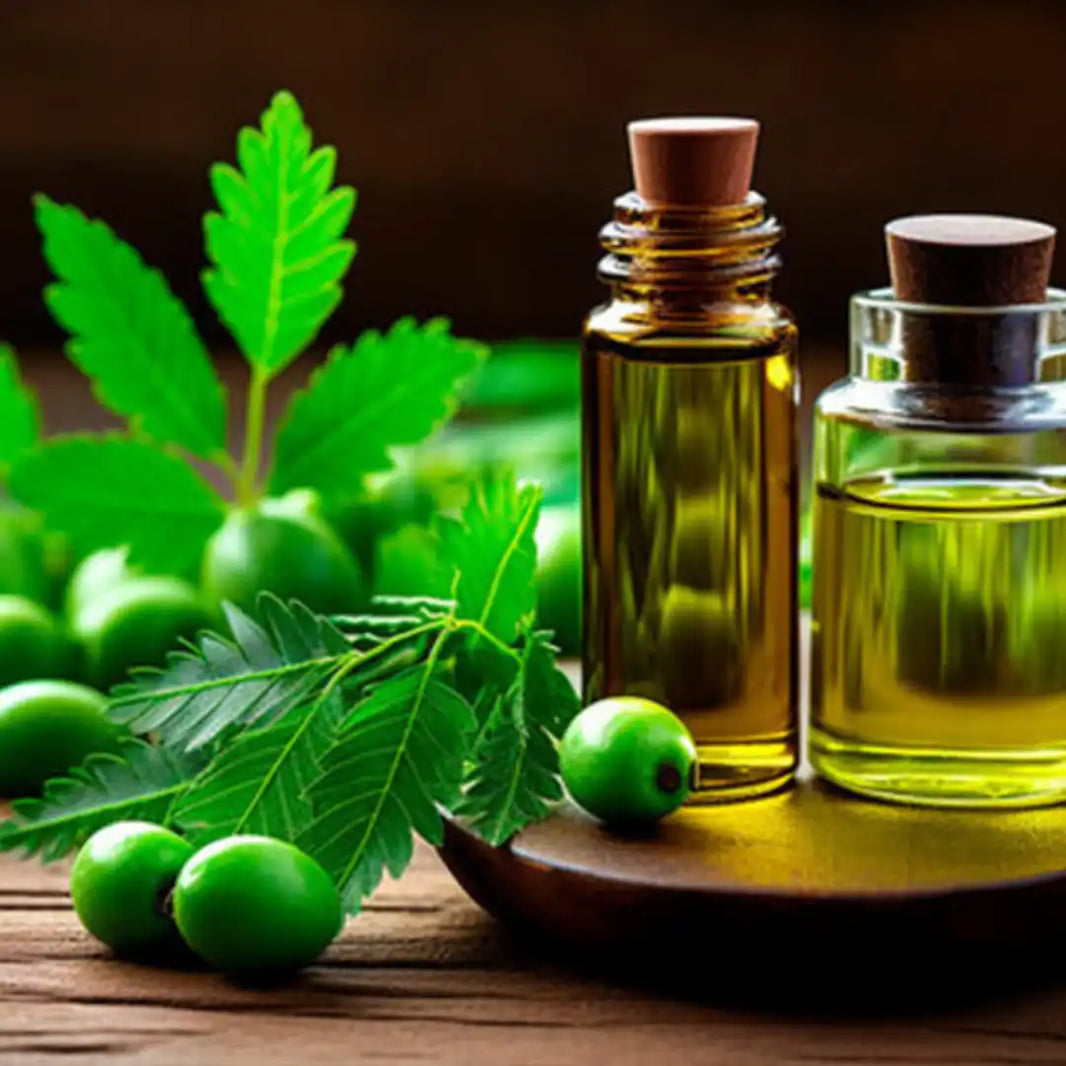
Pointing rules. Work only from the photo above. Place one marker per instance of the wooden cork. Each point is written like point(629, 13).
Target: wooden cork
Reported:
point(969, 260)
point(705, 162)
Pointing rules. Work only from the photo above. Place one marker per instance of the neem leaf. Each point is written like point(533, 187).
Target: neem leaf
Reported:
point(130, 334)
point(103, 489)
point(258, 783)
point(20, 423)
point(140, 784)
point(513, 777)
point(399, 757)
point(494, 554)
point(267, 667)
point(388, 390)
point(275, 247)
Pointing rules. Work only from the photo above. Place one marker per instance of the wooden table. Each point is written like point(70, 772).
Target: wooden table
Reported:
point(424, 976)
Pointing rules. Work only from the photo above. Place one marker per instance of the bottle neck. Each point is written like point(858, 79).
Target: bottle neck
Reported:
point(677, 255)
point(977, 348)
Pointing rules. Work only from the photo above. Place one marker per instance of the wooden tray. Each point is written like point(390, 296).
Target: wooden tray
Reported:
point(809, 870)
point(806, 872)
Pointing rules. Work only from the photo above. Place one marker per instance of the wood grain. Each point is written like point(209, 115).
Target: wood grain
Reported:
point(424, 976)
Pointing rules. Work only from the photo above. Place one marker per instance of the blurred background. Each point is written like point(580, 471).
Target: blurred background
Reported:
point(486, 139)
point(487, 142)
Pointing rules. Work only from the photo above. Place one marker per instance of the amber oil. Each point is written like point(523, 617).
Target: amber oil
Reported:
point(689, 486)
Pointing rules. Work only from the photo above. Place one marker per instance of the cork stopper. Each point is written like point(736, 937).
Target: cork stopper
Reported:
point(969, 260)
point(971, 273)
point(705, 162)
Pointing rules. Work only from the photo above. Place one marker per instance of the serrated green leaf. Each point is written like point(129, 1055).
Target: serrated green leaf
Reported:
point(386, 391)
point(513, 777)
point(494, 554)
point(97, 489)
point(275, 247)
point(140, 784)
point(398, 758)
point(268, 667)
point(130, 334)
point(20, 421)
point(257, 784)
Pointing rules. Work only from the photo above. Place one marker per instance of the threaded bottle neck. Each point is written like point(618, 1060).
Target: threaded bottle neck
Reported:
point(662, 250)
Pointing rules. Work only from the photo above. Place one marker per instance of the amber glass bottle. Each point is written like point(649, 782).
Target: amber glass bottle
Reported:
point(689, 477)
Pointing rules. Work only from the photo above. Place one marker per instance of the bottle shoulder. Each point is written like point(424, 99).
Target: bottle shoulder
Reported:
point(636, 321)
point(892, 405)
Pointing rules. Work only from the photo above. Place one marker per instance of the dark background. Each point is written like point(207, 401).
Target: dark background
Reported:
point(487, 139)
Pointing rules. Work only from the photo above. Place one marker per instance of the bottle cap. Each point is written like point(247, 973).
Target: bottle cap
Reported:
point(969, 260)
point(703, 162)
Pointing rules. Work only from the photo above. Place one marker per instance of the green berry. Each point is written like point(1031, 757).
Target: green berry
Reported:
point(120, 882)
point(32, 643)
point(94, 577)
point(23, 570)
point(627, 759)
point(407, 563)
point(46, 727)
point(252, 904)
point(282, 546)
point(136, 623)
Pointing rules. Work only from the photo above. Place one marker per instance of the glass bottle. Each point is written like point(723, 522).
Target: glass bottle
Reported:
point(938, 673)
point(689, 459)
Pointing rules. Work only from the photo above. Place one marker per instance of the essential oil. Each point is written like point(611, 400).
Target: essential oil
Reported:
point(689, 402)
point(939, 607)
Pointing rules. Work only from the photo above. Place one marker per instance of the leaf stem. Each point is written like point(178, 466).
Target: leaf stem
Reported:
point(269, 674)
point(247, 479)
point(529, 515)
point(228, 465)
point(359, 658)
point(477, 627)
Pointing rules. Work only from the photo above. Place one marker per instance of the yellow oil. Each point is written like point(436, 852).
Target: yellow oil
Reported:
point(690, 509)
point(939, 638)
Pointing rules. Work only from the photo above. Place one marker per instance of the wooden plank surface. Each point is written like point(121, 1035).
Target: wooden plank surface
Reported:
point(424, 976)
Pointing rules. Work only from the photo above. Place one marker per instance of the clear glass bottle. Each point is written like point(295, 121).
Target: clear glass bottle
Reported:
point(689, 485)
point(938, 674)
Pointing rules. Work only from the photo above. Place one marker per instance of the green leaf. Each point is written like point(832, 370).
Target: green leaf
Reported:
point(513, 777)
point(264, 671)
point(387, 390)
point(398, 757)
point(494, 554)
point(257, 784)
point(140, 784)
point(20, 422)
point(99, 489)
point(130, 334)
point(275, 248)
